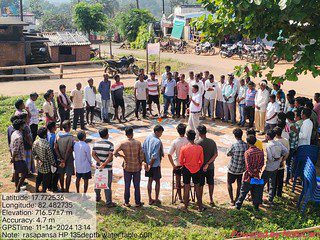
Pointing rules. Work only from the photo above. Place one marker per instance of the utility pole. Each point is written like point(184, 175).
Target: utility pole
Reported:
point(21, 10)
point(137, 4)
point(162, 6)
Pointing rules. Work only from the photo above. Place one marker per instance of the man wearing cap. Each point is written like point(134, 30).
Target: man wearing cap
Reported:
point(34, 114)
point(90, 98)
point(261, 101)
point(153, 92)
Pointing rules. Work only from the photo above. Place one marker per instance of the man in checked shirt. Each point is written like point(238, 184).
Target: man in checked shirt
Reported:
point(254, 160)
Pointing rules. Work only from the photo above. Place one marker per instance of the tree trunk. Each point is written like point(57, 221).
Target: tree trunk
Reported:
point(137, 4)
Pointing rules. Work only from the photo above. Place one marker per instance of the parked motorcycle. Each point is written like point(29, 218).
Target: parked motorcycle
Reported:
point(205, 48)
point(180, 47)
point(165, 46)
point(125, 65)
point(228, 50)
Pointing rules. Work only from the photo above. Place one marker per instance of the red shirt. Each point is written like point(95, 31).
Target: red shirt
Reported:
point(254, 160)
point(191, 156)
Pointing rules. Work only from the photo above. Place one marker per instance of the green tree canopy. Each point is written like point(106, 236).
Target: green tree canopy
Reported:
point(129, 22)
point(89, 17)
point(51, 21)
point(292, 24)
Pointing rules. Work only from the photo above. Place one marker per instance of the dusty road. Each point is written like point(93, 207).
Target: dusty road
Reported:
point(307, 85)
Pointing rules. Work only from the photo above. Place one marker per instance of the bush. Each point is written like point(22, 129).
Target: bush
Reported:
point(142, 39)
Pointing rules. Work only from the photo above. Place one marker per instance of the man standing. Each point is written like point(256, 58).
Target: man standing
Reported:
point(249, 103)
point(191, 160)
point(273, 109)
point(236, 165)
point(48, 109)
point(141, 95)
point(104, 90)
point(197, 82)
point(209, 96)
point(17, 154)
point(164, 75)
point(241, 100)
point(64, 148)
point(117, 98)
point(210, 152)
point(102, 152)
point(182, 96)
point(153, 151)
point(306, 128)
point(169, 89)
point(316, 107)
point(254, 160)
point(195, 108)
point(90, 98)
point(229, 92)
point(34, 114)
point(219, 102)
point(175, 148)
point(42, 153)
point(78, 111)
point(132, 162)
point(153, 92)
point(260, 103)
point(64, 105)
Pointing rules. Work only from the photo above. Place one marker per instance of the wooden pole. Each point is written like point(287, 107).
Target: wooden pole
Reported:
point(147, 58)
point(21, 11)
point(110, 46)
point(61, 71)
point(99, 52)
point(159, 62)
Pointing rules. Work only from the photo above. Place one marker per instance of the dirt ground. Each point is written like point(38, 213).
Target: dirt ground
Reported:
point(215, 64)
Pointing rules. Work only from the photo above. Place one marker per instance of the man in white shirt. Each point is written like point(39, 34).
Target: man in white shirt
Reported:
point(197, 81)
point(164, 75)
point(175, 148)
point(261, 101)
point(219, 98)
point(34, 114)
point(141, 95)
point(195, 109)
point(76, 97)
point(229, 92)
point(273, 109)
point(306, 128)
point(241, 100)
point(90, 98)
point(209, 96)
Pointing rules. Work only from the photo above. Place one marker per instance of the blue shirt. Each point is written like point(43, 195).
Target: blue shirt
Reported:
point(169, 87)
point(82, 157)
point(104, 90)
point(152, 148)
point(51, 138)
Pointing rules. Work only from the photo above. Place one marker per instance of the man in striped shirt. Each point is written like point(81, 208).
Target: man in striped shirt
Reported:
point(102, 152)
point(153, 92)
point(117, 98)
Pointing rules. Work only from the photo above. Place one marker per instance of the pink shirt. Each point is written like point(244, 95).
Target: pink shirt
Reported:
point(183, 90)
point(316, 108)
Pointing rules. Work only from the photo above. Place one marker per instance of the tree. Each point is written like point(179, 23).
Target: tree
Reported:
point(109, 6)
point(129, 22)
point(51, 21)
point(36, 8)
point(292, 24)
point(89, 17)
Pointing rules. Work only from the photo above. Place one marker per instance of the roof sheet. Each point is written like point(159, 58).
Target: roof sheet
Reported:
point(66, 39)
point(12, 21)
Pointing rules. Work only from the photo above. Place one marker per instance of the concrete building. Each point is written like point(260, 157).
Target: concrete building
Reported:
point(28, 18)
point(12, 42)
point(68, 47)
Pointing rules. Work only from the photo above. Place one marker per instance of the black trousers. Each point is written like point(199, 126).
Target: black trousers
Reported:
point(279, 182)
point(64, 115)
point(269, 178)
point(249, 113)
point(256, 191)
point(143, 103)
point(44, 179)
point(184, 103)
point(34, 131)
point(78, 113)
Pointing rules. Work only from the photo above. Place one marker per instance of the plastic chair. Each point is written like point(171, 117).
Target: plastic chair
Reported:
point(303, 153)
point(311, 190)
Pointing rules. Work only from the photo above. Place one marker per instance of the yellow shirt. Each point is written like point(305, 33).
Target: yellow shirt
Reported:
point(259, 145)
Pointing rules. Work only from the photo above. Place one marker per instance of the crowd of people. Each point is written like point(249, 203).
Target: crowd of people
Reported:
point(286, 120)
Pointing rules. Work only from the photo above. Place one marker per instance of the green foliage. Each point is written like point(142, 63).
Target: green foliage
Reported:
point(289, 23)
point(51, 21)
point(143, 38)
point(110, 7)
point(89, 17)
point(129, 22)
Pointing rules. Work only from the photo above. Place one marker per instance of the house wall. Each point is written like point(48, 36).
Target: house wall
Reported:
point(54, 54)
point(12, 54)
point(81, 53)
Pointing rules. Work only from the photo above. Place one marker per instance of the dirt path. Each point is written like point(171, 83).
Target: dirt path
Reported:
point(307, 85)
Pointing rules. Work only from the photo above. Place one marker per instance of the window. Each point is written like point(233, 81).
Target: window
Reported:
point(65, 50)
